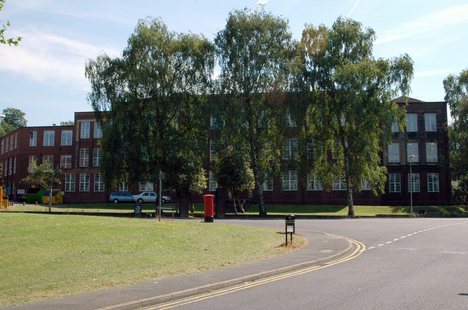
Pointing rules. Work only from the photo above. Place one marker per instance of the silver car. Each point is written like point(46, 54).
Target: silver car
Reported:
point(117, 197)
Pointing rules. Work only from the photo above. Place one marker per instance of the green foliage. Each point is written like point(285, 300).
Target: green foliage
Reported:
point(13, 119)
point(348, 83)
point(3, 40)
point(159, 85)
point(456, 90)
point(255, 53)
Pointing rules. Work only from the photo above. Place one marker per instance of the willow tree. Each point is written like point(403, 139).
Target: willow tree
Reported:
point(254, 51)
point(456, 94)
point(351, 104)
point(150, 102)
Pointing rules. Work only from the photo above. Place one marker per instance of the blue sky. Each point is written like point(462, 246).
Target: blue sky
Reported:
point(44, 75)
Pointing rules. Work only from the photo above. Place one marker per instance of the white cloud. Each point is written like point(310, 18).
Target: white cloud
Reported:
point(426, 24)
point(354, 7)
point(49, 58)
point(432, 73)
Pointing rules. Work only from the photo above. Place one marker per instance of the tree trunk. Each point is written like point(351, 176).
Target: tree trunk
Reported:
point(184, 203)
point(255, 167)
point(349, 186)
point(50, 201)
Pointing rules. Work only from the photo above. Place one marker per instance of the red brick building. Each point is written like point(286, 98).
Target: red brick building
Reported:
point(75, 149)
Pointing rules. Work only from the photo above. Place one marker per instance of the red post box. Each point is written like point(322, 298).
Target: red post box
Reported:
point(208, 203)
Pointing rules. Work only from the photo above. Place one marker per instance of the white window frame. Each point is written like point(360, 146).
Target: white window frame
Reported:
point(430, 122)
point(267, 185)
point(433, 185)
point(412, 148)
point(66, 138)
point(65, 161)
point(98, 182)
point(97, 130)
point(70, 182)
point(394, 182)
point(84, 182)
point(84, 157)
point(33, 138)
point(85, 129)
point(212, 184)
point(365, 185)
point(49, 138)
point(49, 159)
point(290, 149)
point(414, 182)
point(123, 186)
point(290, 120)
point(146, 187)
point(97, 157)
point(313, 183)
point(339, 185)
point(394, 153)
point(411, 122)
point(213, 150)
point(289, 181)
point(431, 152)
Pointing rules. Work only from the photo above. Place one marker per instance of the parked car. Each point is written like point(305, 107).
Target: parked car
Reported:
point(150, 197)
point(117, 197)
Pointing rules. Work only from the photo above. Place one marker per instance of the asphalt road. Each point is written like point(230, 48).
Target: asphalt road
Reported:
point(408, 264)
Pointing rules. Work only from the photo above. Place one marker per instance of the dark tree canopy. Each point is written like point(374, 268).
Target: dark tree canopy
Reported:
point(13, 119)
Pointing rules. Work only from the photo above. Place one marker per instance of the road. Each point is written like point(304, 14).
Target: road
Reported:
point(414, 263)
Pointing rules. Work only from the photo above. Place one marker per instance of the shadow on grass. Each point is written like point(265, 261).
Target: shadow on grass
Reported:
point(432, 210)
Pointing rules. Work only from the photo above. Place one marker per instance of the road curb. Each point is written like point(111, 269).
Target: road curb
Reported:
point(145, 302)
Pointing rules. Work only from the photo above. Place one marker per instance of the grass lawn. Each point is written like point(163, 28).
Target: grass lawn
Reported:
point(43, 256)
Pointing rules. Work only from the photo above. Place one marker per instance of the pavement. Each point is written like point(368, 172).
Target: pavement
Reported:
point(321, 249)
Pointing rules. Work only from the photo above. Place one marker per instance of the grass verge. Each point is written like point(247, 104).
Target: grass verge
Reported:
point(44, 256)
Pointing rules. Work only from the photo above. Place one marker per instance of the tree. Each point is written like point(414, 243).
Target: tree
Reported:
point(456, 94)
point(350, 109)
point(159, 85)
point(254, 51)
point(3, 40)
point(67, 123)
point(46, 176)
point(13, 119)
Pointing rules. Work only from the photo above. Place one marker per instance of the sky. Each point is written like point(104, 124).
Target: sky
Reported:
point(44, 75)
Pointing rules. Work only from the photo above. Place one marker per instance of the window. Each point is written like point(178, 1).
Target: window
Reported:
point(14, 165)
point(3, 146)
point(98, 182)
point(70, 182)
point(339, 185)
point(395, 127)
point(310, 150)
point(414, 184)
point(290, 149)
point(84, 182)
point(67, 137)
point(49, 160)
point(394, 182)
point(97, 132)
point(65, 161)
point(84, 130)
point(291, 121)
point(123, 186)
point(433, 182)
point(268, 184)
point(313, 183)
point(290, 180)
point(49, 138)
point(10, 166)
point(33, 138)
point(365, 185)
point(97, 157)
point(12, 142)
point(411, 122)
point(32, 163)
point(213, 153)
point(84, 157)
point(394, 153)
point(412, 152)
point(146, 187)
point(431, 152)
point(213, 122)
point(430, 121)
point(212, 184)
point(15, 140)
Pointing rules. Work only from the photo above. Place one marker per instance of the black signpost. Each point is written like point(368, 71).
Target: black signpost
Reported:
point(289, 227)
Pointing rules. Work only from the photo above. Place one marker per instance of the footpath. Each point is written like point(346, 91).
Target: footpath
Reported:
point(322, 249)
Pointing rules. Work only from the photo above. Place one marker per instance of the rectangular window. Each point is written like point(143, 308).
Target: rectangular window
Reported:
point(3, 146)
point(84, 182)
point(49, 160)
point(365, 185)
point(290, 149)
point(49, 138)
point(32, 163)
point(70, 182)
point(411, 122)
point(97, 131)
point(412, 152)
point(394, 153)
point(291, 121)
point(212, 184)
point(433, 182)
point(414, 184)
point(12, 142)
point(431, 152)
point(310, 150)
point(10, 166)
point(430, 121)
point(339, 185)
point(84, 157)
point(65, 161)
point(146, 187)
point(313, 183)
point(67, 137)
point(213, 122)
point(123, 186)
point(15, 140)
point(84, 129)
point(213, 150)
point(394, 182)
point(97, 157)
point(33, 138)
point(289, 180)
point(14, 165)
point(98, 182)
point(268, 184)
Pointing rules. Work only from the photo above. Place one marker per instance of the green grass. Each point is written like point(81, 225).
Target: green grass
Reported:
point(43, 256)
